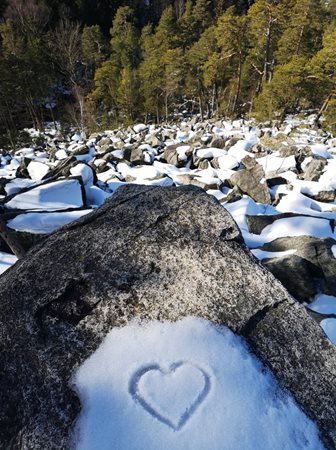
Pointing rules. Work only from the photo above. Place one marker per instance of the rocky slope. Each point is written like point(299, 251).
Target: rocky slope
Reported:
point(278, 183)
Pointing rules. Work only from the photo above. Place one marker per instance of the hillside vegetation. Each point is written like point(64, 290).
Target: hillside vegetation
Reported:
point(100, 64)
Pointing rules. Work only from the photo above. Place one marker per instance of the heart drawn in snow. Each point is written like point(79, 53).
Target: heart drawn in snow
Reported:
point(170, 395)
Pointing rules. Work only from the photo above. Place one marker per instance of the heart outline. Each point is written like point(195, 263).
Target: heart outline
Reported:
point(133, 389)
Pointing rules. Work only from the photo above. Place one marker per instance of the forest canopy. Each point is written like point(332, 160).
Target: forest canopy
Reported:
point(98, 64)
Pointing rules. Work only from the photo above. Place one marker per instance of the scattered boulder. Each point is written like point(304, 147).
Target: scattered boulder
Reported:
point(137, 156)
point(218, 142)
point(314, 169)
point(310, 270)
point(256, 223)
point(251, 181)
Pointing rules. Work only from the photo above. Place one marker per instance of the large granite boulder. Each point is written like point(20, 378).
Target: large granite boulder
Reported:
point(147, 253)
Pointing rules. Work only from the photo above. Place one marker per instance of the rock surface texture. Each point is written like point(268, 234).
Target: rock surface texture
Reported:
point(147, 253)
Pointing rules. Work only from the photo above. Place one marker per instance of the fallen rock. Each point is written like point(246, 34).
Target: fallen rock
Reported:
point(251, 181)
point(256, 223)
point(314, 169)
point(310, 270)
point(147, 253)
point(297, 274)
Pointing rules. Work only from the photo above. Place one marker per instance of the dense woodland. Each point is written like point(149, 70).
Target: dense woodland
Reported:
point(102, 63)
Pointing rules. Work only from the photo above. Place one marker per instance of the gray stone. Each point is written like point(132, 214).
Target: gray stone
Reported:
point(314, 169)
point(256, 223)
point(234, 195)
point(170, 155)
point(250, 182)
point(292, 326)
point(147, 253)
point(324, 196)
point(313, 266)
point(21, 171)
point(218, 142)
point(136, 156)
point(297, 274)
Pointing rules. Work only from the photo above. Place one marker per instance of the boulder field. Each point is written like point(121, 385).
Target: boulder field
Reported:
point(149, 253)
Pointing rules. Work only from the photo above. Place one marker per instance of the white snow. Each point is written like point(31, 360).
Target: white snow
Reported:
point(95, 196)
point(41, 223)
point(239, 150)
point(84, 171)
point(139, 172)
point(210, 152)
point(6, 261)
point(227, 162)
point(184, 385)
point(37, 170)
point(182, 151)
point(320, 150)
point(17, 184)
point(58, 195)
point(333, 250)
point(278, 164)
point(61, 154)
point(262, 254)
point(324, 304)
point(329, 327)
point(295, 226)
point(139, 127)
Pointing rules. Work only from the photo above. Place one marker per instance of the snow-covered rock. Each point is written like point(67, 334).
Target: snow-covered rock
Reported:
point(58, 195)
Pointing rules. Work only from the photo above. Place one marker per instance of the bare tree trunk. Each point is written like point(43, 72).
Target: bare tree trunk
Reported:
point(201, 106)
point(237, 95)
point(157, 110)
point(323, 108)
point(166, 106)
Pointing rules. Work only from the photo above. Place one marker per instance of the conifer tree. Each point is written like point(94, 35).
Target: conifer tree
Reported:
point(231, 38)
point(204, 72)
point(286, 92)
point(322, 69)
point(115, 81)
point(263, 17)
point(303, 31)
point(187, 25)
point(202, 14)
point(94, 48)
point(158, 71)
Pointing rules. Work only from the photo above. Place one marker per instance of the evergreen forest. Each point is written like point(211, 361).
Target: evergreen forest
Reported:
point(103, 63)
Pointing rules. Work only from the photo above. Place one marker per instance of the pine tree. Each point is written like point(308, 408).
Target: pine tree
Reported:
point(303, 32)
point(286, 92)
point(322, 68)
point(158, 73)
point(202, 14)
point(204, 72)
point(263, 34)
point(231, 38)
point(187, 25)
point(94, 48)
point(116, 80)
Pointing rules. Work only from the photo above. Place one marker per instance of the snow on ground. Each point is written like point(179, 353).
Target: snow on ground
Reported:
point(324, 304)
point(6, 261)
point(329, 327)
point(59, 195)
point(262, 254)
point(42, 223)
point(185, 385)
